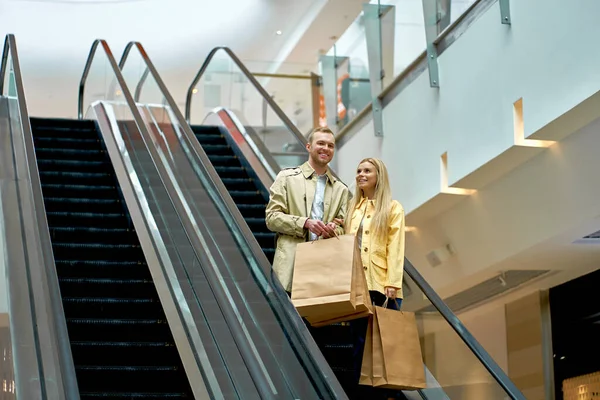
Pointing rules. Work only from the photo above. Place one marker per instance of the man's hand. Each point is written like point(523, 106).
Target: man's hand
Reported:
point(338, 221)
point(330, 232)
point(319, 228)
point(315, 226)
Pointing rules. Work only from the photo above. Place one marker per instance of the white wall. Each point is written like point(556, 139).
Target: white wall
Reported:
point(525, 218)
point(482, 74)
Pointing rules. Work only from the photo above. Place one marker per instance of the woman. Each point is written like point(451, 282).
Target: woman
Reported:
point(378, 221)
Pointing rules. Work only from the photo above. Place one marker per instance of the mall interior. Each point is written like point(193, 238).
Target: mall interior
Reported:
point(139, 140)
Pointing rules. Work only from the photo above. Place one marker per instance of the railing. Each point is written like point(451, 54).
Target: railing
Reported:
point(248, 75)
point(469, 340)
point(42, 354)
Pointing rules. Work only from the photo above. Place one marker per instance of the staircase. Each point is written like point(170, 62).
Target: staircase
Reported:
point(121, 343)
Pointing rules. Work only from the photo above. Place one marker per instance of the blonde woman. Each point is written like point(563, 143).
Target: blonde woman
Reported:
point(378, 222)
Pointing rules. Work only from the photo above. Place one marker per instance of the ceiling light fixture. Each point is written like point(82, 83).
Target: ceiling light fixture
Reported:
point(278, 32)
point(194, 90)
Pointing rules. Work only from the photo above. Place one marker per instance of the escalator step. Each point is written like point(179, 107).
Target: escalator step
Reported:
point(101, 269)
point(69, 165)
point(230, 172)
point(111, 287)
point(132, 395)
point(77, 178)
point(216, 139)
point(221, 160)
point(73, 154)
point(97, 251)
point(93, 235)
point(79, 191)
point(89, 219)
point(118, 329)
point(129, 378)
point(112, 308)
point(132, 353)
point(217, 149)
point(71, 204)
point(67, 143)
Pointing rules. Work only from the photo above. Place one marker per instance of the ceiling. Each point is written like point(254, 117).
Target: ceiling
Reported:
point(54, 37)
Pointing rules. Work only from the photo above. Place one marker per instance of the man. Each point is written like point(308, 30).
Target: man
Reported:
point(303, 203)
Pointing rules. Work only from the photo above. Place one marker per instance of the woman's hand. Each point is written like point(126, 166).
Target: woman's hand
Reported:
point(391, 292)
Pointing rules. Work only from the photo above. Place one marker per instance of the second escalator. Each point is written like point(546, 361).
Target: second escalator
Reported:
point(251, 197)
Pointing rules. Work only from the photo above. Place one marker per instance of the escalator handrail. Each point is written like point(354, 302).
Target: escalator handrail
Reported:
point(56, 325)
point(225, 198)
point(482, 355)
point(274, 106)
point(84, 76)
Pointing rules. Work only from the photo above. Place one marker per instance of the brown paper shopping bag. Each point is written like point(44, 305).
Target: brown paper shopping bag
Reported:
point(366, 370)
point(322, 285)
point(397, 357)
point(363, 306)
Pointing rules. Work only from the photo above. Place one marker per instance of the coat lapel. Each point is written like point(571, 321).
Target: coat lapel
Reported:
point(310, 194)
point(327, 218)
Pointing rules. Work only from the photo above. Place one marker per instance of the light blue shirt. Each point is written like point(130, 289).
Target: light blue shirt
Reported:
point(318, 205)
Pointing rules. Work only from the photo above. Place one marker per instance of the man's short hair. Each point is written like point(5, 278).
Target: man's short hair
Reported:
point(322, 129)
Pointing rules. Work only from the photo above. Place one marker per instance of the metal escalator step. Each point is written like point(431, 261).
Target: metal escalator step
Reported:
point(84, 234)
point(72, 204)
point(72, 154)
point(84, 143)
point(107, 307)
point(132, 395)
point(48, 165)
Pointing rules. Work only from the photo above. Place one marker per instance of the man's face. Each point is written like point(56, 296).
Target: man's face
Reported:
point(322, 148)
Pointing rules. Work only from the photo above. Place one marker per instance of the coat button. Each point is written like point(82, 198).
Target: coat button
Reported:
point(366, 232)
point(366, 249)
point(368, 216)
point(365, 268)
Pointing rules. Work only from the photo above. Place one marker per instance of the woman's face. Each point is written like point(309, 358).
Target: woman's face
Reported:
point(366, 177)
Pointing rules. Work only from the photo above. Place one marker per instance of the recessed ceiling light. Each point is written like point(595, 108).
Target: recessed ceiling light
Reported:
point(278, 32)
point(194, 90)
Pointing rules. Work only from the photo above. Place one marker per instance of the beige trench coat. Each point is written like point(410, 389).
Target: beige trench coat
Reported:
point(290, 204)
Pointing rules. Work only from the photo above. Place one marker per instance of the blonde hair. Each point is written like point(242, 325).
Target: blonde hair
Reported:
point(383, 200)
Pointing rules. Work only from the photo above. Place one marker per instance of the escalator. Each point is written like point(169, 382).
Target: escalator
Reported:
point(151, 222)
point(121, 343)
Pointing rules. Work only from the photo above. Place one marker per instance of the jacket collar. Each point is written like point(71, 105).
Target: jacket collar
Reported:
point(363, 200)
point(308, 171)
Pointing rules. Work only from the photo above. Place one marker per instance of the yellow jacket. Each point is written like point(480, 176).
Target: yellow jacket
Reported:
point(383, 261)
point(290, 204)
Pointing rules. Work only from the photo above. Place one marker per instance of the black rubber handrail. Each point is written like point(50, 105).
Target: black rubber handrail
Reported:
point(188, 101)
